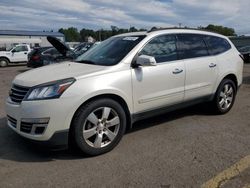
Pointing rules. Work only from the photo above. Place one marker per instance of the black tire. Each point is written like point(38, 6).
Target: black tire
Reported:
point(217, 106)
point(80, 122)
point(4, 62)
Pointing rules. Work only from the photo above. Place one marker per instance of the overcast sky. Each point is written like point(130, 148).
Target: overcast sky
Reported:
point(96, 14)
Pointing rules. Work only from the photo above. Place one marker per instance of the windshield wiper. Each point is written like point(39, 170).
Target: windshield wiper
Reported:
point(86, 61)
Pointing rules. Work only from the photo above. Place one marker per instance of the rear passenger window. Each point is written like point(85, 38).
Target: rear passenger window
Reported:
point(162, 48)
point(191, 46)
point(217, 45)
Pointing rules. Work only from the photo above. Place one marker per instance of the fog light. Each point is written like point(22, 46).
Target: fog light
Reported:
point(39, 130)
point(34, 126)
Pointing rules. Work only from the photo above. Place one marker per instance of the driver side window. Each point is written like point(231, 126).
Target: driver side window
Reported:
point(162, 48)
point(20, 49)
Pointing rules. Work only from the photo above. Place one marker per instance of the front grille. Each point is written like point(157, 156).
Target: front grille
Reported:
point(12, 121)
point(26, 127)
point(18, 93)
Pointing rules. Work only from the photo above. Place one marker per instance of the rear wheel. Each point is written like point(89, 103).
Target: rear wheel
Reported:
point(225, 96)
point(4, 62)
point(99, 126)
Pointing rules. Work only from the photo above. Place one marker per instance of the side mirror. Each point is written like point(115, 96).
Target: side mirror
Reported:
point(13, 51)
point(145, 60)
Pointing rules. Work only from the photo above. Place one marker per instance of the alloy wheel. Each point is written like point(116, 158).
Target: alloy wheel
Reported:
point(226, 97)
point(101, 127)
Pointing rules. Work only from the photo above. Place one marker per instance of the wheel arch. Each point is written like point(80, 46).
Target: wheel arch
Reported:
point(232, 77)
point(114, 97)
point(4, 57)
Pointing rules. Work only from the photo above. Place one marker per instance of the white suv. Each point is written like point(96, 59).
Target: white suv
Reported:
point(92, 101)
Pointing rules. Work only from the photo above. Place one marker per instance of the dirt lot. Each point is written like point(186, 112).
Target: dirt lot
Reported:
point(185, 148)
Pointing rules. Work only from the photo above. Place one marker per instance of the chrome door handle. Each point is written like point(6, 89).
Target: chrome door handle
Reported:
point(212, 65)
point(177, 71)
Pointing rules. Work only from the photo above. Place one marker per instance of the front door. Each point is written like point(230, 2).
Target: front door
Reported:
point(161, 85)
point(19, 54)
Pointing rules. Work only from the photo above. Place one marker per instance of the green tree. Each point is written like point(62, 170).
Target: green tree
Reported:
point(221, 29)
point(132, 29)
point(153, 28)
point(84, 33)
point(71, 34)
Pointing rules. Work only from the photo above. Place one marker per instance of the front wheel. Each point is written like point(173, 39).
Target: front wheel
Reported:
point(225, 96)
point(98, 126)
point(3, 62)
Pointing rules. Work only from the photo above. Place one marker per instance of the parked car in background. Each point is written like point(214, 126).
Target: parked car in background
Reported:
point(58, 53)
point(45, 56)
point(82, 48)
point(35, 57)
point(245, 51)
point(92, 101)
point(17, 54)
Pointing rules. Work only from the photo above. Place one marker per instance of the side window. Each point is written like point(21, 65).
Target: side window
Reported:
point(54, 52)
point(46, 52)
point(162, 48)
point(24, 49)
point(21, 49)
point(17, 49)
point(191, 45)
point(217, 45)
point(50, 51)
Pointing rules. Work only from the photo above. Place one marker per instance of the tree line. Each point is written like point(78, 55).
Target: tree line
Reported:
point(73, 35)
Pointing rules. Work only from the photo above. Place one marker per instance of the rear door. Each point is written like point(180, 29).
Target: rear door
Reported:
point(163, 84)
point(201, 68)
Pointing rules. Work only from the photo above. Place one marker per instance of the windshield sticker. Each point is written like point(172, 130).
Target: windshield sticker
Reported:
point(130, 38)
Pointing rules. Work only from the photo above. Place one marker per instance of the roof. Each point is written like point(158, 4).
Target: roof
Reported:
point(30, 33)
point(133, 33)
point(173, 31)
point(185, 30)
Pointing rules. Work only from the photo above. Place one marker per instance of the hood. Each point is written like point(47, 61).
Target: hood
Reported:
point(56, 72)
point(60, 46)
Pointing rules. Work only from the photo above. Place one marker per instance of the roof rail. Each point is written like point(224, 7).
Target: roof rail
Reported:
point(169, 28)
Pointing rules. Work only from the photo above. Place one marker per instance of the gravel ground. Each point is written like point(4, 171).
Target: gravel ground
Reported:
point(185, 148)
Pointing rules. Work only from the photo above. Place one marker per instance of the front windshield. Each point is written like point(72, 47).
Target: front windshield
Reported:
point(10, 48)
point(111, 51)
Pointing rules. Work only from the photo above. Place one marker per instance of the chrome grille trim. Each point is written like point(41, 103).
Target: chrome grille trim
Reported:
point(17, 93)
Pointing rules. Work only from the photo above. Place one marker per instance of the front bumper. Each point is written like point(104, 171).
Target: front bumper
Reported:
point(58, 141)
point(58, 112)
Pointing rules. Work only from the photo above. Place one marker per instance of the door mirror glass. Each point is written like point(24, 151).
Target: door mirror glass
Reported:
point(145, 60)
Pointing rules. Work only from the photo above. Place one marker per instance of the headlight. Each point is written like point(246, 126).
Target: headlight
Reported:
point(50, 90)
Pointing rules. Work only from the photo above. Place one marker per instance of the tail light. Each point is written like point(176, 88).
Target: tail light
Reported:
point(35, 57)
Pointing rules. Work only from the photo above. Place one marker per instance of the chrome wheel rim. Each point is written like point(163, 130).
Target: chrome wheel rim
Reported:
point(226, 97)
point(101, 127)
point(3, 63)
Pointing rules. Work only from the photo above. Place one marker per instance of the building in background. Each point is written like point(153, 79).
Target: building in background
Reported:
point(9, 38)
